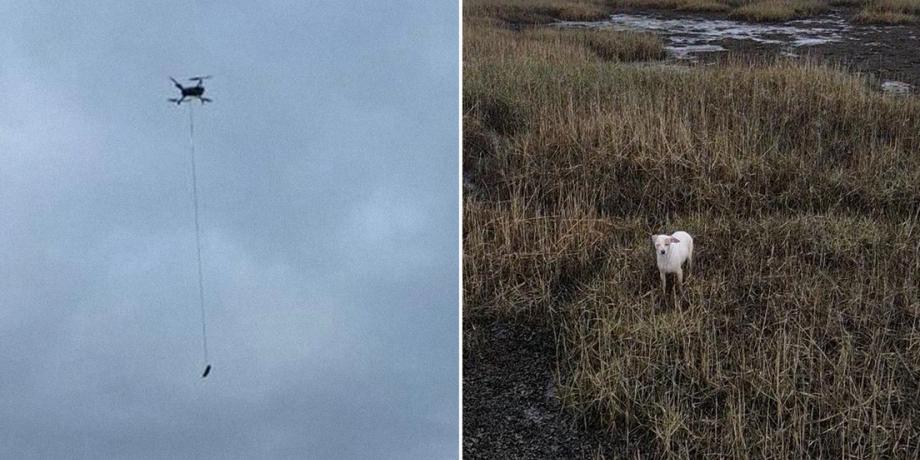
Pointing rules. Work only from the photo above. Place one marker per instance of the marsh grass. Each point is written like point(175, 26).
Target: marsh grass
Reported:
point(890, 12)
point(750, 10)
point(682, 5)
point(541, 12)
point(703, 6)
point(778, 10)
point(529, 12)
point(870, 11)
point(797, 332)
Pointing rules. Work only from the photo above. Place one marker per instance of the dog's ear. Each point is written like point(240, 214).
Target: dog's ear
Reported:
point(673, 240)
point(654, 239)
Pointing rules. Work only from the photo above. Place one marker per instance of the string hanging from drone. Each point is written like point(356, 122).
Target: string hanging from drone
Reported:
point(191, 93)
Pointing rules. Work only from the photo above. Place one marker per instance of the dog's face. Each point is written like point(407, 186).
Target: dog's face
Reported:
point(663, 243)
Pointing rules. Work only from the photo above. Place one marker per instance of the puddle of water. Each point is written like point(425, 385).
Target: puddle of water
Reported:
point(810, 41)
point(688, 36)
point(661, 66)
point(686, 51)
point(896, 87)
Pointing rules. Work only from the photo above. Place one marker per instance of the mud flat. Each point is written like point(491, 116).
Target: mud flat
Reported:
point(510, 407)
point(888, 52)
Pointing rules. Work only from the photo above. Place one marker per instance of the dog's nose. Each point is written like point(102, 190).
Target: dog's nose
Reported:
point(662, 252)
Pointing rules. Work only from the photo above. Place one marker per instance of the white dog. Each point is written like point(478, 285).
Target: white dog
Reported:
point(670, 252)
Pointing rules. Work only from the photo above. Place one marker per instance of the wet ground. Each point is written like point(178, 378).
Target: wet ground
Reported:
point(510, 408)
point(887, 52)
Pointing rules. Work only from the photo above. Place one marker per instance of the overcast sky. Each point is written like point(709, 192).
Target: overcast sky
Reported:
point(328, 178)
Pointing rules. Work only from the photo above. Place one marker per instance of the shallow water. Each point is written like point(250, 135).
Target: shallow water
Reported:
point(688, 36)
point(887, 52)
point(896, 87)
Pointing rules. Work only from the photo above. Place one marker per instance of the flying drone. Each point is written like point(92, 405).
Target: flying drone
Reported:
point(191, 92)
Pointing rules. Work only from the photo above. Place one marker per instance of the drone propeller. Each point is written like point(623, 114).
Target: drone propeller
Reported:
point(205, 77)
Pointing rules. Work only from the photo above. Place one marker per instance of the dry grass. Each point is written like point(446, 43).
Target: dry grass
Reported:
point(703, 6)
point(756, 10)
point(536, 11)
point(622, 46)
point(890, 12)
point(811, 351)
point(778, 10)
point(683, 5)
point(539, 12)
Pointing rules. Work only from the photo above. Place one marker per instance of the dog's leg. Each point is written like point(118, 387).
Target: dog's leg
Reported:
point(680, 282)
point(664, 283)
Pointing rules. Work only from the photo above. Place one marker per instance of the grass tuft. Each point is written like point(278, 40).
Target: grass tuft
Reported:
point(530, 12)
point(778, 10)
point(890, 12)
point(713, 6)
point(757, 10)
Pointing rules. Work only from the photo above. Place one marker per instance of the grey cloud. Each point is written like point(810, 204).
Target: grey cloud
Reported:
point(328, 175)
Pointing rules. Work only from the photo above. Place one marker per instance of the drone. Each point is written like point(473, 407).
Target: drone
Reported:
point(191, 92)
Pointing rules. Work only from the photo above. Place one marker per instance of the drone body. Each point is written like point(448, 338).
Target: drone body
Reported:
point(191, 92)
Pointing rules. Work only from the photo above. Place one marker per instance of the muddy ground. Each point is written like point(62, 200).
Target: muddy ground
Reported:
point(887, 52)
point(510, 407)
point(884, 52)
